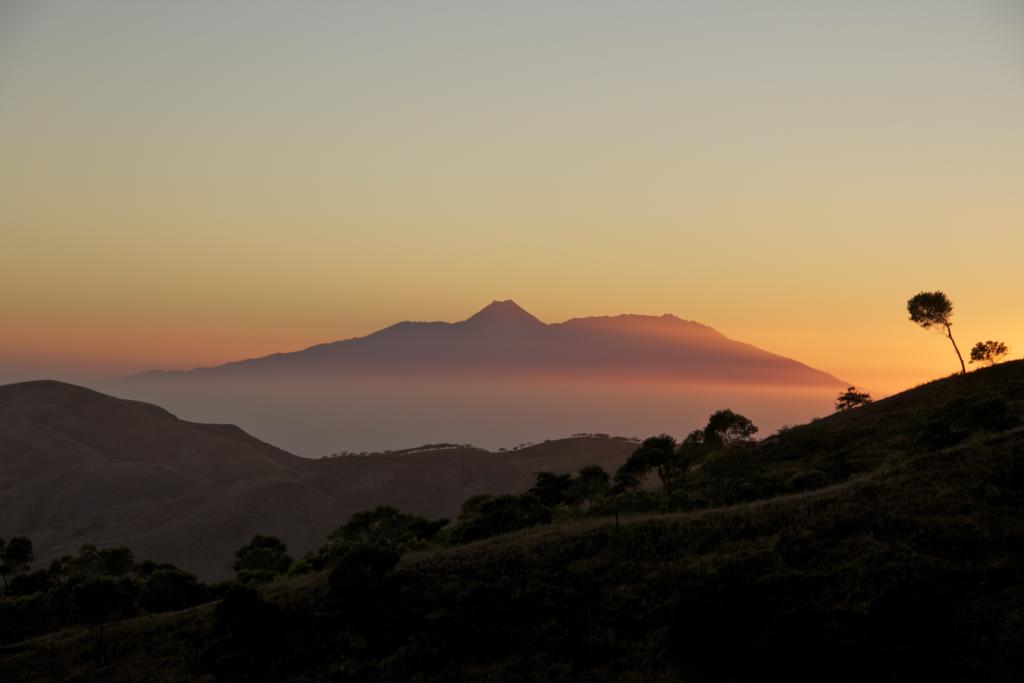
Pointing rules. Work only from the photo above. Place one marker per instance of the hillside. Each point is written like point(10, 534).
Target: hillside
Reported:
point(78, 466)
point(904, 561)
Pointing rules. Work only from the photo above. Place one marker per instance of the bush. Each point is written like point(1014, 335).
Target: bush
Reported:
point(245, 615)
point(486, 516)
point(359, 573)
point(168, 590)
point(387, 526)
point(97, 600)
point(262, 559)
point(961, 417)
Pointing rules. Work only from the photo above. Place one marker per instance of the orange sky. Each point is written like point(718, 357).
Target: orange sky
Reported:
point(174, 192)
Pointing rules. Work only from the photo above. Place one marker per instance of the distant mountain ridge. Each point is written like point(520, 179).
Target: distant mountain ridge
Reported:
point(503, 338)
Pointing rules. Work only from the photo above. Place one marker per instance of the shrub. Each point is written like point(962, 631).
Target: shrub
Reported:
point(486, 516)
point(167, 590)
point(389, 527)
point(961, 417)
point(262, 559)
point(359, 573)
point(245, 615)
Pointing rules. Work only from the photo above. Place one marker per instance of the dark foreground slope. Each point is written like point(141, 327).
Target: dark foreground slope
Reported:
point(910, 569)
point(78, 466)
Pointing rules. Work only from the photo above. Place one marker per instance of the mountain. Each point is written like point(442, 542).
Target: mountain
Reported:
point(78, 466)
point(503, 340)
point(880, 543)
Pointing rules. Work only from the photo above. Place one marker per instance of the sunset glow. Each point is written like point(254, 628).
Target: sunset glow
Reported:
point(188, 188)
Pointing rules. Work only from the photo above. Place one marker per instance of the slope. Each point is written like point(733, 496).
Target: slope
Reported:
point(77, 466)
point(912, 569)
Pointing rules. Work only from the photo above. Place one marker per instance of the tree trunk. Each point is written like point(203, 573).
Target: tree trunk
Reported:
point(949, 333)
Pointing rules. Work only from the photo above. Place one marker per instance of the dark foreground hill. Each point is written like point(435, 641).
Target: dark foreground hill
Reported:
point(78, 466)
point(903, 561)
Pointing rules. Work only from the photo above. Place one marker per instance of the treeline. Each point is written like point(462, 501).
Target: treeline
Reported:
point(710, 466)
point(91, 588)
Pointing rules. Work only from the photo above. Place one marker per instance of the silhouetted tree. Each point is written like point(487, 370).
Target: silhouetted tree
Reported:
point(551, 488)
point(486, 516)
point(851, 398)
point(92, 561)
point(96, 600)
point(933, 310)
point(989, 352)
point(590, 484)
point(359, 573)
point(170, 589)
point(693, 441)
point(388, 527)
point(657, 453)
point(251, 621)
point(726, 428)
point(15, 557)
point(31, 582)
point(263, 558)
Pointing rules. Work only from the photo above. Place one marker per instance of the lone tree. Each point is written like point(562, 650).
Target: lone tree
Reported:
point(851, 398)
point(933, 310)
point(989, 352)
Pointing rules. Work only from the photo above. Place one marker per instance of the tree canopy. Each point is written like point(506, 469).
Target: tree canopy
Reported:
point(851, 398)
point(726, 428)
point(261, 559)
point(935, 310)
point(989, 352)
point(15, 557)
point(388, 527)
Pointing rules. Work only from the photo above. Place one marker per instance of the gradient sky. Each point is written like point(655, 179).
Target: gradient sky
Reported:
point(184, 183)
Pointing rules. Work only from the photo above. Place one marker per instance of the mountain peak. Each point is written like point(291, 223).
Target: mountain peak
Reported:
point(505, 312)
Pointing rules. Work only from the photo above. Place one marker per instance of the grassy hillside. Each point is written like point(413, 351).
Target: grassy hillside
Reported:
point(78, 466)
point(903, 559)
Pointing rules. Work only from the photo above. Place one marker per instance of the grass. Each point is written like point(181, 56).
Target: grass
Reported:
point(907, 564)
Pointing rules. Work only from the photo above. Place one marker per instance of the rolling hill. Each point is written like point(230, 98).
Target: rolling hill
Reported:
point(78, 466)
point(903, 562)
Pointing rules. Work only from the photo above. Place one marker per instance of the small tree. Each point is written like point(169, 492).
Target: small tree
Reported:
point(550, 488)
point(590, 484)
point(388, 527)
point(15, 557)
point(655, 453)
point(989, 352)
point(726, 428)
point(851, 398)
point(485, 516)
point(933, 310)
point(169, 589)
point(96, 600)
point(359, 574)
point(262, 559)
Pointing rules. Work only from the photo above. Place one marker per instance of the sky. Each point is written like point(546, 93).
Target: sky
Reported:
point(193, 182)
